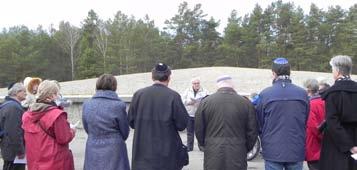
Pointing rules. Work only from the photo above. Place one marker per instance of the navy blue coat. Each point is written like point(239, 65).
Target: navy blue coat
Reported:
point(282, 112)
point(106, 123)
point(12, 143)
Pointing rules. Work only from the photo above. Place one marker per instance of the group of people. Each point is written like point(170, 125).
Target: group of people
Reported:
point(35, 127)
point(294, 124)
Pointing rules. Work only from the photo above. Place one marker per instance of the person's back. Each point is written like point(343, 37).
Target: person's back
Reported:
point(157, 114)
point(105, 121)
point(47, 132)
point(283, 132)
point(282, 112)
point(226, 127)
point(340, 133)
point(12, 142)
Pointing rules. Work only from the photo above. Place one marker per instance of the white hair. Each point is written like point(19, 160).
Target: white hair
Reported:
point(16, 88)
point(342, 64)
point(195, 79)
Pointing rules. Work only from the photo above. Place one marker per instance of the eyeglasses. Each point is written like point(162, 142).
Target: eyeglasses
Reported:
point(196, 83)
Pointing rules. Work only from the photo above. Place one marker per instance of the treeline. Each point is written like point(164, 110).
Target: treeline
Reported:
point(124, 44)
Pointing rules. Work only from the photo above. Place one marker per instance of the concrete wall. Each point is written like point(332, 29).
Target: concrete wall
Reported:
point(75, 110)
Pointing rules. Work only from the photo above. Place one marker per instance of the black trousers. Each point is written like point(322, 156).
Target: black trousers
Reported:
point(190, 133)
point(9, 165)
point(313, 165)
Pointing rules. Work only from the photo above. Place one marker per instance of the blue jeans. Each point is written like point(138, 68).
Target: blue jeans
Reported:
point(269, 165)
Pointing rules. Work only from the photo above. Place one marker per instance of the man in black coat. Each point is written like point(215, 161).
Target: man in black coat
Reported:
point(226, 126)
point(12, 144)
point(157, 114)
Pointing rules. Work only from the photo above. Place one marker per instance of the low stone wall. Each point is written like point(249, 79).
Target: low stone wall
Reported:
point(75, 109)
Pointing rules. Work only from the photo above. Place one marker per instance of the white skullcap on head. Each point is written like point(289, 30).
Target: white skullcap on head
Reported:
point(224, 81)
point(224, 77)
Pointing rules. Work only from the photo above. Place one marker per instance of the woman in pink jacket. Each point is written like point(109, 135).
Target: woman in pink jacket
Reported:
point(47, 132)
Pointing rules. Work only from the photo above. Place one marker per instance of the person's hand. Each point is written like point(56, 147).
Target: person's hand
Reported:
point(191, 102)
point(353, 150)
point(21, 156)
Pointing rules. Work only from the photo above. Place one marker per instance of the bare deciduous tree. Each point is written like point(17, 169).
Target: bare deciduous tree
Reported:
point(67, 39)
point(102, 42)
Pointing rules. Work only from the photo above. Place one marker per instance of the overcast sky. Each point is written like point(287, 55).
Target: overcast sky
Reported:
point(32, 13)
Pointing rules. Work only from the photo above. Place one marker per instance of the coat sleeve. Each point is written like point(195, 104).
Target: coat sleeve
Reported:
point(16, 134)
point(186, 98)
point(180, 115)
point(84, 121)
point(313, 123)
point(339, 135)
point(252, 132)
point(200, 124)
point(133, 110)
point(123, 122)
point(62, 131)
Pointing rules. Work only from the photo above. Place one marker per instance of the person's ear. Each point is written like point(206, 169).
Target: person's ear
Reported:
point(274, 74)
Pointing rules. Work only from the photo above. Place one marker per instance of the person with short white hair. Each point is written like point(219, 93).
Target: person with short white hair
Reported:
point(191, 99)
point(226, 127)
point(315, 120)
point(12, 142)
point(340, 133)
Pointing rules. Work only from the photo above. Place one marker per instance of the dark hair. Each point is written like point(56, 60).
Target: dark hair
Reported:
point(161, 72)
point(106, 82)
point(281, 67)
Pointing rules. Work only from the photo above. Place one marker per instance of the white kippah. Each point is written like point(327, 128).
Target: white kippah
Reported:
point(224, 77)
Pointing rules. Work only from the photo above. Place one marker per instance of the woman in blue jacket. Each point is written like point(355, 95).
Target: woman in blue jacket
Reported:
point(105, 121)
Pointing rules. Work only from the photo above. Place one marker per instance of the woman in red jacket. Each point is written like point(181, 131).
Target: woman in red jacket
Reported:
point(316, 117)
point(47, 132)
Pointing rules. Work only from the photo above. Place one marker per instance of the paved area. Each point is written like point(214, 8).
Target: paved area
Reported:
point(196, 157)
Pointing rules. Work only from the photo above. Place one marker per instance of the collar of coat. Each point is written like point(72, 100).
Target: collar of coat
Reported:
point(228, 90)
point(108, 94)
point(341, 85)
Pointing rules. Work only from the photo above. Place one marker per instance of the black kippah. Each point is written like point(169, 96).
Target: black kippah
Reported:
point(161, 67)
point(10, 85)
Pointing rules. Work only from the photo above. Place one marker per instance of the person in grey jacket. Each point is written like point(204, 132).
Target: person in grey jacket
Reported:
point(106, 123)
point(226, 126)
point(191, 99)
point(11, 111)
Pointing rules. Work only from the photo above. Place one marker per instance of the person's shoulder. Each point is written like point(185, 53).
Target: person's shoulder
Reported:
point(267, 91)
point(12, 104)
point(143, 90)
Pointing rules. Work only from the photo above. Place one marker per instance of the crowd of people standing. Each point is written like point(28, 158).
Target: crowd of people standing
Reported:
point(315, 123)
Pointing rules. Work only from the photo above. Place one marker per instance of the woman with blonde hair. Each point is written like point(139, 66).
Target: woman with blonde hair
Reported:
point(47, 132)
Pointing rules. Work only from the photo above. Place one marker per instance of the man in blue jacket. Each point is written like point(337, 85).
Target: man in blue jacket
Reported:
point(282, 112)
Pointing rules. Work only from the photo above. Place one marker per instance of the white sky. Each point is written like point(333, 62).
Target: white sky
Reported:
point(32, 13)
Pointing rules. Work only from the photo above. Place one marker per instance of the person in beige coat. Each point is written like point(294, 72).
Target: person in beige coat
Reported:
point(31, 84)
